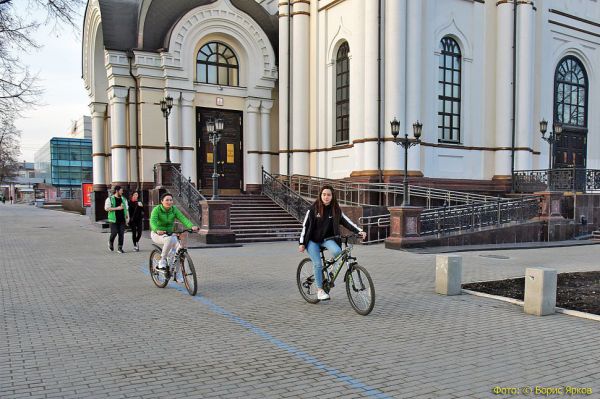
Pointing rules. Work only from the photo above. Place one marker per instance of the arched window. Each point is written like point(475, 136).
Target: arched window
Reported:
point(449, 91)
point(217, 64)
point(342, 95)
point(570, 92)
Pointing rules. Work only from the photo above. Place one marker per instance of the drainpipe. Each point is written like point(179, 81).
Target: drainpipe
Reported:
point(130, 56)
point(289, 96)
point(379, 108)
point(514, 100)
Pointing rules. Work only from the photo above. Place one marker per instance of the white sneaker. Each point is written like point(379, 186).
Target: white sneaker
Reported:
point(162, 265)
point(322, 295)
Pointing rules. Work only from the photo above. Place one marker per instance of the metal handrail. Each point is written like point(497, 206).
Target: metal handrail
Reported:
point(359, 194)
point(186, 194)
point(284, 196)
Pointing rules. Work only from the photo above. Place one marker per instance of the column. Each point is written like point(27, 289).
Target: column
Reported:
point(174, 124)
point(188, 136)
point(98, 111)
point(414, 79)
point(118, 134)
point(284, 26)
point(504, 76)
point(300, 89)
point(265, 128)
point(251, 136)
point(133, 138)
point(525, 84)
point(371, 126)
point(395, 89)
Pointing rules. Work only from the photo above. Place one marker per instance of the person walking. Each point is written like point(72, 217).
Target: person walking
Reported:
point(136, 219)
point(321, 229)
point(116, 206)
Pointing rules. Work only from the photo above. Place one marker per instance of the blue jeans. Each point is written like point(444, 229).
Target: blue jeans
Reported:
point(314, 251)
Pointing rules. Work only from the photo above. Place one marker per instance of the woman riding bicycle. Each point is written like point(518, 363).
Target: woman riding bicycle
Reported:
point(162, 220)
point(321, 230)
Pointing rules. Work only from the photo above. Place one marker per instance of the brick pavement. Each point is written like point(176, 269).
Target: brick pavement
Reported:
point(78, 322)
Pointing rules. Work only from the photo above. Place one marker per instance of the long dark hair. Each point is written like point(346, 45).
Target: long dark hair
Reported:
point(319, 206)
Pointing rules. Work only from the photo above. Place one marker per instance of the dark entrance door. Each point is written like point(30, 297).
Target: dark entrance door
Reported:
point(229, 151)
point(571, 149)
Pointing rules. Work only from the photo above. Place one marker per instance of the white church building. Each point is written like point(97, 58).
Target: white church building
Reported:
point(309, 87)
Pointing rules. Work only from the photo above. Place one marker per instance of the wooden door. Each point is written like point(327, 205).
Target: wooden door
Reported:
point(229, 150)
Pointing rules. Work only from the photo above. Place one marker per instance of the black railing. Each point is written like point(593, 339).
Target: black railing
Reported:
point(465, 218)
point(186, 194)
point(564, 179)
point(285, 197)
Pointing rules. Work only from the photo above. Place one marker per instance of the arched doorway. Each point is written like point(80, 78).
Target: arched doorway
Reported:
point(570, 109)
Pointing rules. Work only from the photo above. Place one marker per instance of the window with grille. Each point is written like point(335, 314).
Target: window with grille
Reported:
point(217, 64)
point(342, 95)
point(449, 80)
point(570, 92)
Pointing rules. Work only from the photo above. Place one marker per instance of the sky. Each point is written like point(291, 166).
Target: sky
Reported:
point(58, 65)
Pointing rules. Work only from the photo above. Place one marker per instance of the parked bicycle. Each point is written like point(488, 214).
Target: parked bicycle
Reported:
point(359, 284)
point(179, 266)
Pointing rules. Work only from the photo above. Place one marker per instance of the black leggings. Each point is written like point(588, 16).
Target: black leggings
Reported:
point(117, 228)
point(136, 231)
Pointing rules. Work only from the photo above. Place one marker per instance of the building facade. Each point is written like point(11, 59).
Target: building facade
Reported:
point(310, 86)
point(65, 163)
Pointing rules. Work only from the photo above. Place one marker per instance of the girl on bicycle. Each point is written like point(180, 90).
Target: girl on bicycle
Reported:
point(321, 230)
point(162, 220)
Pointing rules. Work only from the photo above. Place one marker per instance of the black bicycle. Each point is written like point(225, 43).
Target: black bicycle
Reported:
point(179, 265)
point(359, 284)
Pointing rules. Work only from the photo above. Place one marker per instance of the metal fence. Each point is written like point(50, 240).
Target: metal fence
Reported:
point(563, 179)
point(465, 218)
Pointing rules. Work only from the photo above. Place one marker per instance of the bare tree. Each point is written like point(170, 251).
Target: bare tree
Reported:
point(18, 87)
point(10, 147)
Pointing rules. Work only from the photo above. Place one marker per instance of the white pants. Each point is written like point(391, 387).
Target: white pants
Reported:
point(168, 243)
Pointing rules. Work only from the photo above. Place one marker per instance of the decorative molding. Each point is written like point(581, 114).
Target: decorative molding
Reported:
point(331, 4)
point(223, 15)
point(574, 28)
point(564, 14)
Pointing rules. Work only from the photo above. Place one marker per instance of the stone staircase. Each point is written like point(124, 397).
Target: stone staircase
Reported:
point(596, 235)
point(256, 218)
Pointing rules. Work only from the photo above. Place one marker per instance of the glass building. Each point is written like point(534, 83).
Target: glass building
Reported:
point(65, 163)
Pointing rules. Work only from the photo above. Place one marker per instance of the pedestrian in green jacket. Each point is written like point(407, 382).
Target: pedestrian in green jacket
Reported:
point(162, 220)
point(118, 216)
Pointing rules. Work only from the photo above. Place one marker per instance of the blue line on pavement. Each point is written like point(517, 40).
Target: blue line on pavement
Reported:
point(345, 378)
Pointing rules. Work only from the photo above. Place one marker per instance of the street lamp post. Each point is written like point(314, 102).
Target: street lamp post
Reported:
point(553, 137)
point(406, 143)
point(165, 106)
point(214, 129)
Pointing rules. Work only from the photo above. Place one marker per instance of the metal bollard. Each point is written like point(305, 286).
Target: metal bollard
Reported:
point(540, 291)
point(448, 274)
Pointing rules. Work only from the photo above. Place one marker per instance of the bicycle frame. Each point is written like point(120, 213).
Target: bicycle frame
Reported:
point(343, 258)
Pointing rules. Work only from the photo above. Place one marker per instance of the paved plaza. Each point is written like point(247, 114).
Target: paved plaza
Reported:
point(81, 322)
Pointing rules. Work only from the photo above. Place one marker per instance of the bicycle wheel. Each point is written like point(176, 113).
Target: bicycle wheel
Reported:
point(305, 278)
point(189, 273)
point(360, 289)
point(159, 279)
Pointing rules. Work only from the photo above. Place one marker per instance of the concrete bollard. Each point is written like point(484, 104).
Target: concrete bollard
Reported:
point(448, 274)
point(540, 291)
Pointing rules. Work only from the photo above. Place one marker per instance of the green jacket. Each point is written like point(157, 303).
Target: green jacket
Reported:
point(110, 203)
point(163, 220)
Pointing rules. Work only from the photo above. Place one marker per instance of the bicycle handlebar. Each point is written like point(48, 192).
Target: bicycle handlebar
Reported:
point(179, 232)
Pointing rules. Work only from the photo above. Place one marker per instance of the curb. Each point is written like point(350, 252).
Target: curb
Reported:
point(576, 313)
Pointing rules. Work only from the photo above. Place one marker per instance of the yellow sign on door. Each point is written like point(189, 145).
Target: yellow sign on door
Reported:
point(230, 153)
point(209, 157)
